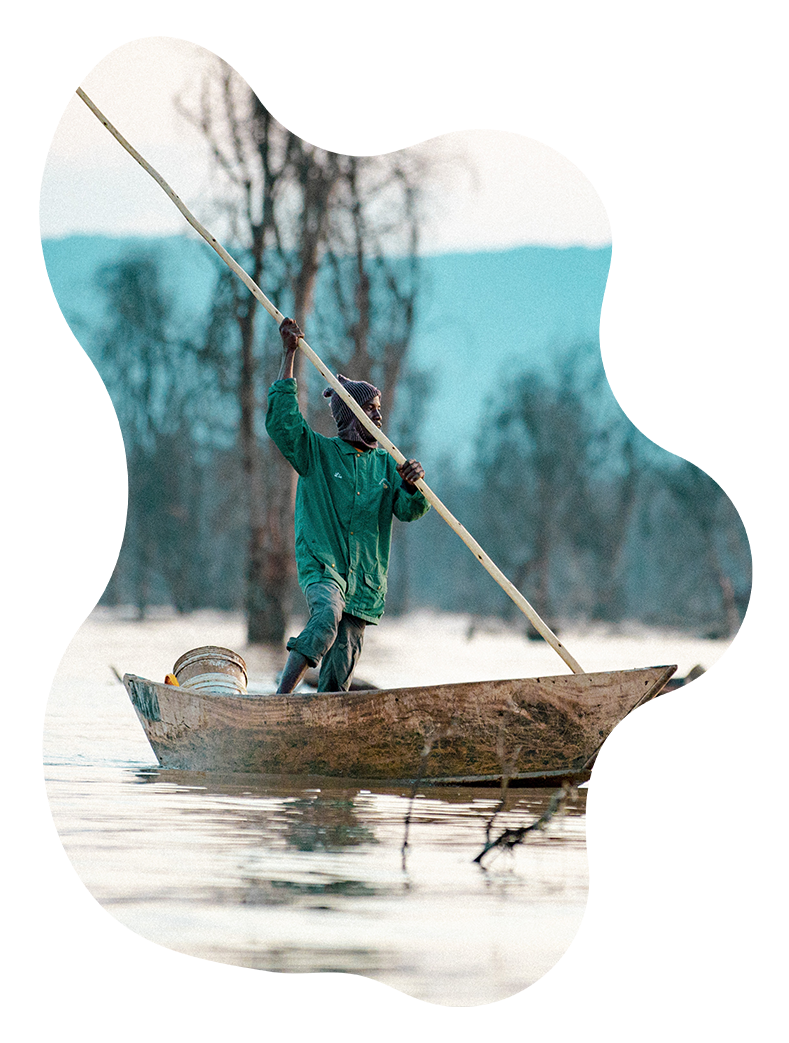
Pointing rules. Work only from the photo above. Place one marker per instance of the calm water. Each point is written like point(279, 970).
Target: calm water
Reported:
point(302, 874)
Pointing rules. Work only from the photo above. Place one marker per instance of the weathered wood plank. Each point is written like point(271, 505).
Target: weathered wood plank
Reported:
point(524, 727)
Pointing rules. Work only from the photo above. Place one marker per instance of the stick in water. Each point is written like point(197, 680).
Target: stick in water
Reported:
point(539, 625)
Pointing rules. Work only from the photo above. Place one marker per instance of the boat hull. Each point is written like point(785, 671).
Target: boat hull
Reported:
point(530, 729)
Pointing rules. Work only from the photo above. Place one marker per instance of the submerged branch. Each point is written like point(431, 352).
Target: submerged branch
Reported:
point(510, 838)
point(440, 733)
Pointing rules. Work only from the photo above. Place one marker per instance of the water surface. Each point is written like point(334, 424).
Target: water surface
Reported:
point(304, 874)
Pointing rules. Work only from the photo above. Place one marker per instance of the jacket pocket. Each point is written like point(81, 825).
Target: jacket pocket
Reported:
point(372, 593)
point(376, 584)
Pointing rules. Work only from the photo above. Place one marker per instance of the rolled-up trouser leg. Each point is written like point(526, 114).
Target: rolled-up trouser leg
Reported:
point(326, 604)
point(340, 661)
point(330, 635)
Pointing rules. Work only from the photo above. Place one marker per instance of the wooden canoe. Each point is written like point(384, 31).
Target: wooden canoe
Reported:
point(534, 731)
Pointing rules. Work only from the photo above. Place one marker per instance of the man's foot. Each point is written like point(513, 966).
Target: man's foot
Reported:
point(295, 669)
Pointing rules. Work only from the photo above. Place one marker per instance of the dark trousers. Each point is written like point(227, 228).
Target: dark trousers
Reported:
point(332, 637)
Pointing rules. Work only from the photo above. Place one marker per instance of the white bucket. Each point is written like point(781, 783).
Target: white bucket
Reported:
point(212, 669)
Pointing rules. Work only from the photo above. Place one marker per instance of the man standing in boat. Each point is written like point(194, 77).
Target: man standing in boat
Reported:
point(347, 494)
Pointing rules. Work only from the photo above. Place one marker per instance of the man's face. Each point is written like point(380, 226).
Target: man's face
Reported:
point(373, 410)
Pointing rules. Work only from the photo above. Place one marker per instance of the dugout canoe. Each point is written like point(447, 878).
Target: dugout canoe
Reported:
point(535, 731)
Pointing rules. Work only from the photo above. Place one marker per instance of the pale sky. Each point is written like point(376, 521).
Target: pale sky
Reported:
point(494, 188)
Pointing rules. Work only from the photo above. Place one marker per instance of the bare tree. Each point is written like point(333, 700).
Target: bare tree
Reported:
point(534, 456)
point(708, 521)
point(152, 372)
point(374, 267)
point(290, 206)
point(275, 199)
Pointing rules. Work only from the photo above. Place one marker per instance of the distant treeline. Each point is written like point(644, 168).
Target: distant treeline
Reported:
point(586, 516)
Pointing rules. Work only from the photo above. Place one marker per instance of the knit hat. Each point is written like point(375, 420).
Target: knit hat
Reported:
point(349, 427)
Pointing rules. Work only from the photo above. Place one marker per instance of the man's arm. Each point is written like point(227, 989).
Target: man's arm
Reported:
point(284, 422)
point(291, 333)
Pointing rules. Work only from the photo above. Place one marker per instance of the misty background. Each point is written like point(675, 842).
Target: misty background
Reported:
point(498, 386)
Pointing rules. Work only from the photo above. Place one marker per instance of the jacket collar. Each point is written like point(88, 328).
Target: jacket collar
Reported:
point(350, 450)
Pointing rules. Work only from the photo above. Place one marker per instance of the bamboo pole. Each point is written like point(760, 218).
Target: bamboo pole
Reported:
point(539, 625)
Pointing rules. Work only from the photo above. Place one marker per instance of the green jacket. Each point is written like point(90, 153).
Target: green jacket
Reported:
point(345, 500)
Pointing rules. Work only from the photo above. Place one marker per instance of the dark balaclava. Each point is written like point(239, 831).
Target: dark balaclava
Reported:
point(349, 427)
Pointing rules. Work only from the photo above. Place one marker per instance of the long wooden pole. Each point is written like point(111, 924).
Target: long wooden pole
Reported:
point(539, 625)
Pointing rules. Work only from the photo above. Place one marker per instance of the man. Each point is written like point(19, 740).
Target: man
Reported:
point(347, 493)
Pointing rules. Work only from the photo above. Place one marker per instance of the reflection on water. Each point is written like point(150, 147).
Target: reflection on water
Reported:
point(306, 875)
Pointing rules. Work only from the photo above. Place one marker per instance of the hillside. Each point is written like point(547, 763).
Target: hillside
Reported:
point(483, 316)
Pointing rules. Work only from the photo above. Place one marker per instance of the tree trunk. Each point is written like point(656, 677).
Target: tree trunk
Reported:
point(272, 570)
point(284, 209)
